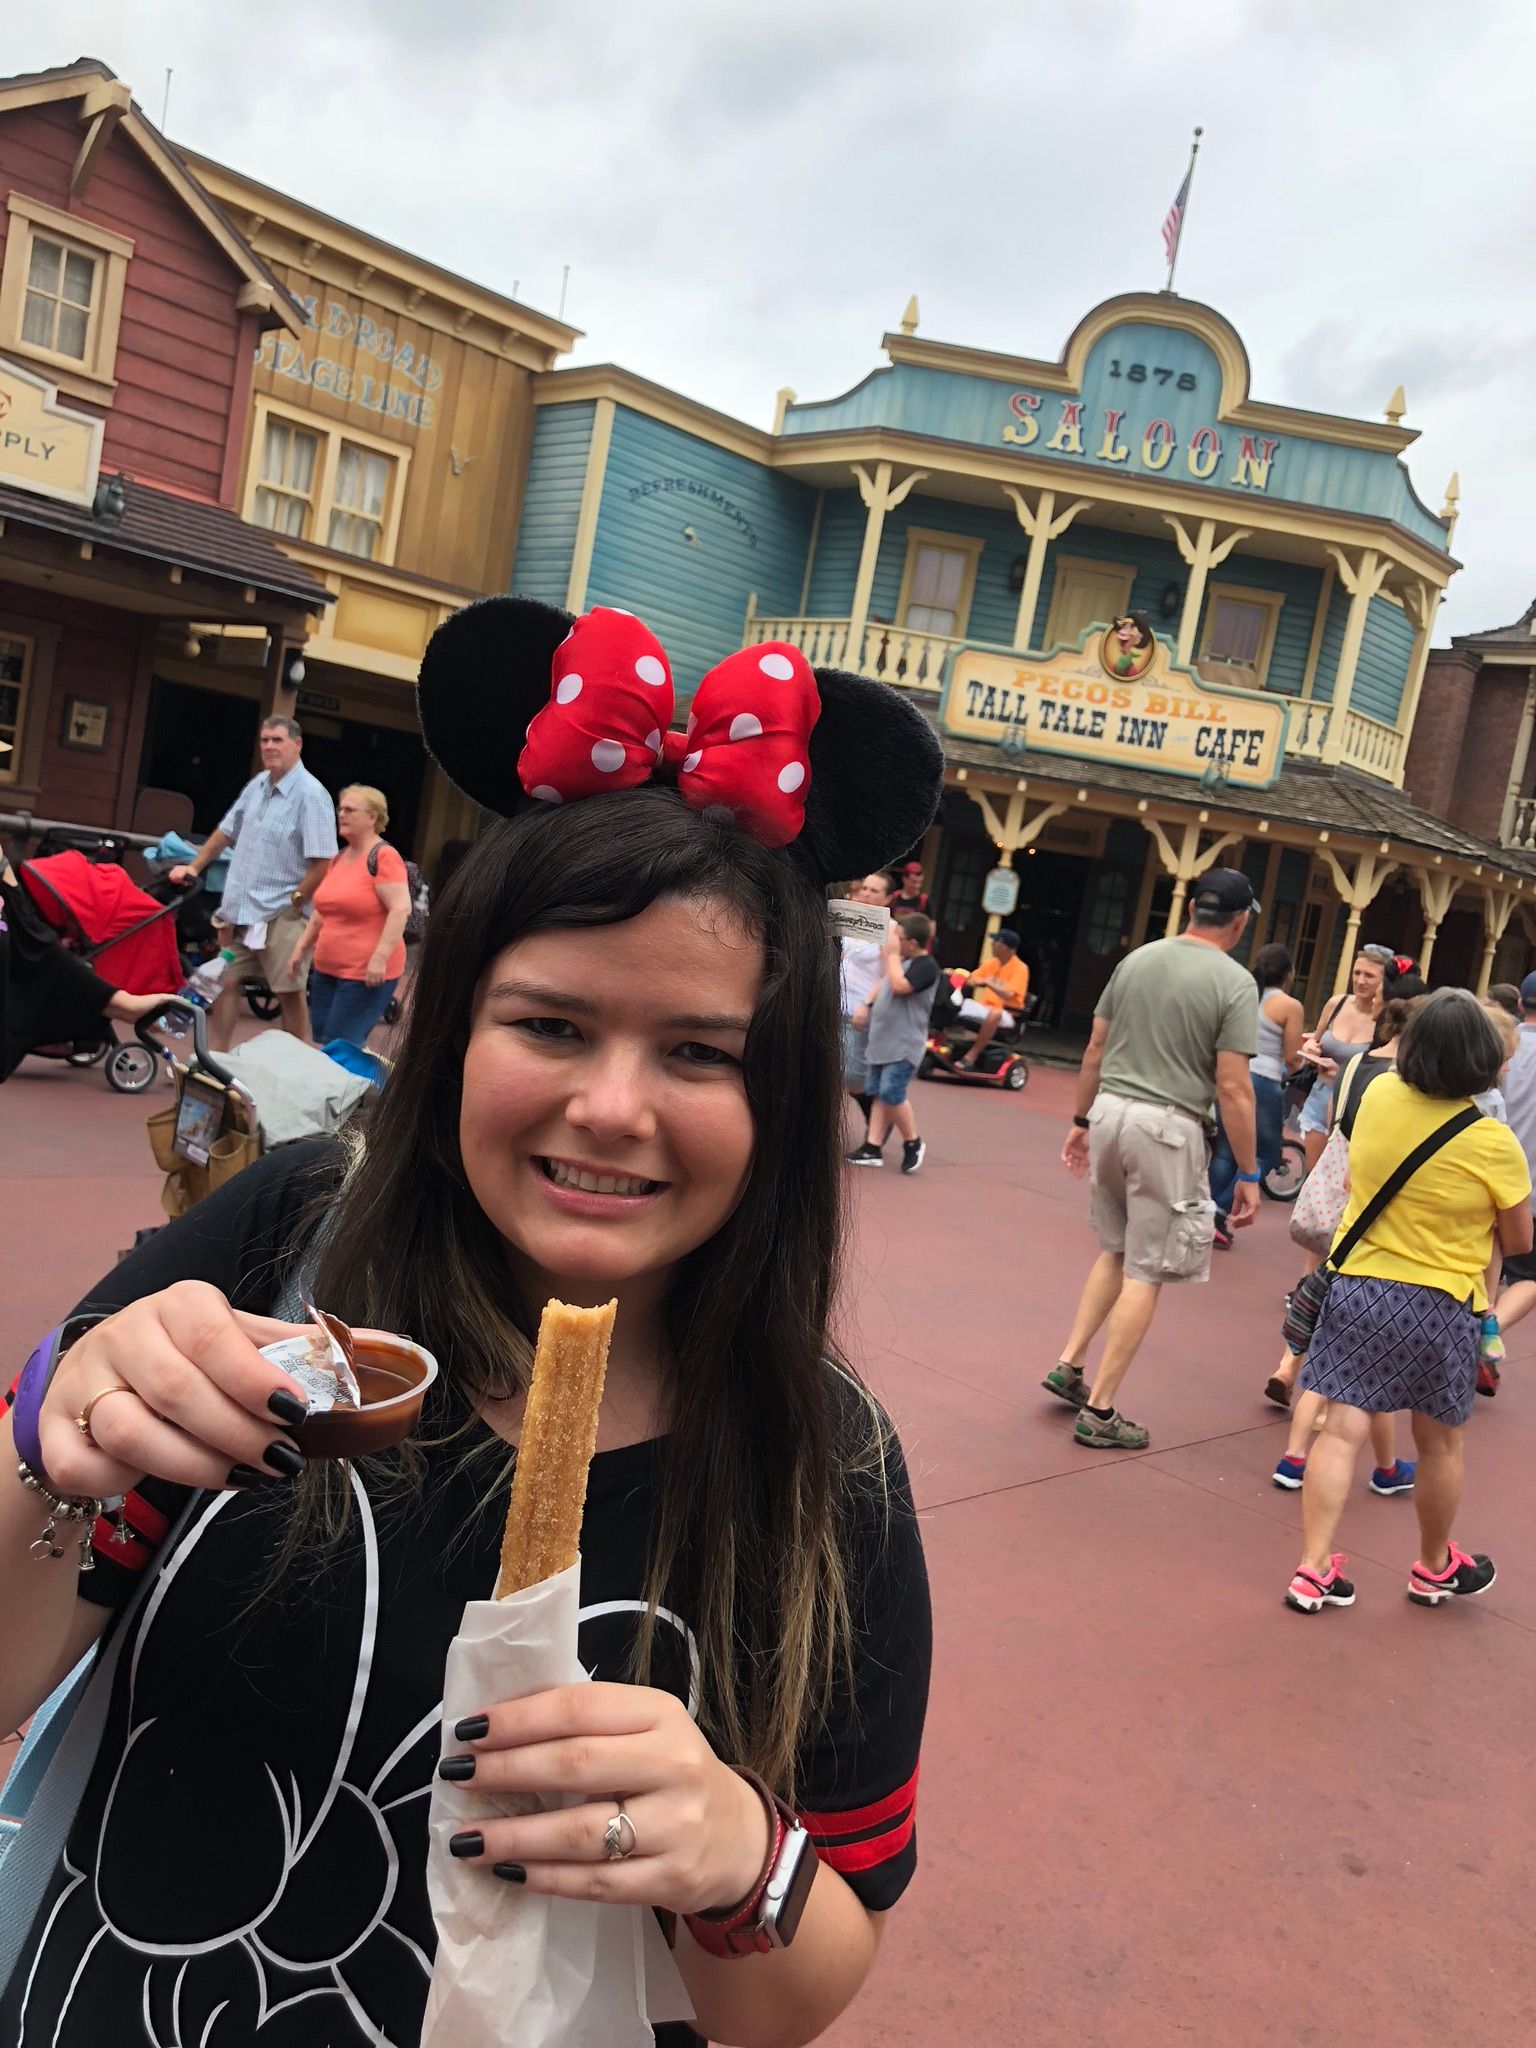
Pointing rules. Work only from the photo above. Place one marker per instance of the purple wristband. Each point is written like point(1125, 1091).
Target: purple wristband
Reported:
point(27, 1405)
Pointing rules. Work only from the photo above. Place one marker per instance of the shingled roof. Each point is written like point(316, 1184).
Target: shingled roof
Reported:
point(1519, 637)
point(158, 526)
point(1334, 799)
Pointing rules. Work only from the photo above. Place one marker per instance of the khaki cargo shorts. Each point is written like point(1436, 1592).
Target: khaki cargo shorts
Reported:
point(1151, 1190)
point(270, 964)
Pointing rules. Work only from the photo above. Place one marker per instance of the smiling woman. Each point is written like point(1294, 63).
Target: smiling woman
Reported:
point(619, 1079)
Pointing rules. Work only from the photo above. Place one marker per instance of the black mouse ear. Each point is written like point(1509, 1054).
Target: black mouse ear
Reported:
point(483, 677)
point(877, 778)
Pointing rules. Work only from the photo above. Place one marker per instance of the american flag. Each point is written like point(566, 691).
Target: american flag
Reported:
point(1175, 218)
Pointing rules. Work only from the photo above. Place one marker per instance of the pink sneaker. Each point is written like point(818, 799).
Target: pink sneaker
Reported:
point(1309, 1591)
point(1463, 1575)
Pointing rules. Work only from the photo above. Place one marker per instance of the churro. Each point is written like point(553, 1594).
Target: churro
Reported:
point(549, 1485)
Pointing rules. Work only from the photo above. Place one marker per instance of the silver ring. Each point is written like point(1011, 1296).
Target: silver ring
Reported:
point(614, 1847)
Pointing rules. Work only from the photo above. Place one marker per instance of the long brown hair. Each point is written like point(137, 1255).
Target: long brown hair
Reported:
point(769, 1429)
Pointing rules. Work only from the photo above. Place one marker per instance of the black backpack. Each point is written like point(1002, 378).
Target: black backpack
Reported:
point(416, 883)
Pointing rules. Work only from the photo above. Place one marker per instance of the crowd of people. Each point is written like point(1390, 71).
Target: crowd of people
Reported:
point(322, 923)
point(1419, 1125)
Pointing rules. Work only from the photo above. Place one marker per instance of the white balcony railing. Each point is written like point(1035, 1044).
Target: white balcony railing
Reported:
point(1522, 825)
point(895, 654)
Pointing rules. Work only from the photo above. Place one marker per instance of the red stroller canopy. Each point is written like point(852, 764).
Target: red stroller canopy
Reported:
point(98, 907)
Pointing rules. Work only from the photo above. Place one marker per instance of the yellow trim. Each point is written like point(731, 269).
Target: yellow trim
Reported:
point(1319, 626)
point(330, 435)
point(1271, 602)
point(1155, 310)
point(10, 764)
point(955, 544)
point(88, 376)
point(1053, 636)
point(591, 505)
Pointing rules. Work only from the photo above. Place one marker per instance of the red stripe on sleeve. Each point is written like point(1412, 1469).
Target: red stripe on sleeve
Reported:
point(856, 1819)
point(853, 1856)
point(149, 1526)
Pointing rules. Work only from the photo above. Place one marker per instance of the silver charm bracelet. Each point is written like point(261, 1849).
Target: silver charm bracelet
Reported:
point(62, 1508)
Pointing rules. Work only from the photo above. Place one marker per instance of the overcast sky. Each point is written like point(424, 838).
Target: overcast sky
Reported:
point(747, 196)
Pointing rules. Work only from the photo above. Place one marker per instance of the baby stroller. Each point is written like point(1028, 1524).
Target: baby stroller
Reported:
point(231, 1108)
point(125, 934)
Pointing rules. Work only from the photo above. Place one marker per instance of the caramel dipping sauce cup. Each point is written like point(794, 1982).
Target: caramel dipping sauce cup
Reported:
point(393, 1375)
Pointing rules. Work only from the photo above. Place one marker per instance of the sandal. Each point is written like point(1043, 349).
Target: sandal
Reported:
point(1278, 1390)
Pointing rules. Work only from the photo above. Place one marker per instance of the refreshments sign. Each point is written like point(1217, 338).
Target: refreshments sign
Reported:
point(1118, 696)
point(45, 447)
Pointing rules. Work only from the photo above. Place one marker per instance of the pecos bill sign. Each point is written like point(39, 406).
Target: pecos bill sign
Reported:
point(1108, 701)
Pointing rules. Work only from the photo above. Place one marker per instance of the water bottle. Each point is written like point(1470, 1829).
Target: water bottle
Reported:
point(200, 989)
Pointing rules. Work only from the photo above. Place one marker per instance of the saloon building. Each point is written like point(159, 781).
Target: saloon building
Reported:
point(967, 525)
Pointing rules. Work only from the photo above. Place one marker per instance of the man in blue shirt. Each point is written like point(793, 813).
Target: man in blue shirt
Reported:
point(282, 827)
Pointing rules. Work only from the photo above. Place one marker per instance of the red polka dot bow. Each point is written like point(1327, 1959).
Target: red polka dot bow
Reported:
point(605, 726)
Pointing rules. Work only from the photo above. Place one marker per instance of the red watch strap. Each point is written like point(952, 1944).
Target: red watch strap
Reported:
point(733, 1930)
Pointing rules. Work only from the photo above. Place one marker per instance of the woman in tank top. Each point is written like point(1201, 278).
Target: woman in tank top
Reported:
point(1346, 1027)
point(1280, 1028)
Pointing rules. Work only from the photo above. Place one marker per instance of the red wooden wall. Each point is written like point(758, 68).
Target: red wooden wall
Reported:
point(183, 349)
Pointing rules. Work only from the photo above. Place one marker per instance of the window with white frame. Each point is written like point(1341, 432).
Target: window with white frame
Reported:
point(937, 582)
point(359, 500)
point(60, 296)
point(15, 667)
point(1240, 631)
point(289, 471)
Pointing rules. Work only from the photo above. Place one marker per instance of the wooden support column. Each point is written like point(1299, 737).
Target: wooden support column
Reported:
point(1202, 554)
point(1498, 905)
point(880, 497)
point(1043, 525)
point(1357, 892)
point(1186, 865)
point(1436, 888)
point(1363, 580)
point(1009, 831)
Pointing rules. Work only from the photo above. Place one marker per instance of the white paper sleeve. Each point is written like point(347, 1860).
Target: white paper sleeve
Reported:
point(514, 1969)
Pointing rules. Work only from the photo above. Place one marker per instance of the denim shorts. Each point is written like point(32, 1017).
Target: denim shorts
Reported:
point(1317, 1110)
point(890, 1082)
point(855, 1058)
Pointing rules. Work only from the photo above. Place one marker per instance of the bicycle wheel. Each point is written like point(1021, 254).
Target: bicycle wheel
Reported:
point(1283, 1181)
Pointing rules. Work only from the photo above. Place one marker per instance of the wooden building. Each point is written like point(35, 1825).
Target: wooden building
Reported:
point(131, 311)
point(966, 524)
point(384, 450)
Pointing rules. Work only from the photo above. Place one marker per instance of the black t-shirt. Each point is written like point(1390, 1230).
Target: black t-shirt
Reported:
point(248, 1864)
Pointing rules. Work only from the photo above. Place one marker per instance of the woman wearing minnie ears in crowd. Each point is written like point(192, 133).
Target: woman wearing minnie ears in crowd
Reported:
point(620, 1077)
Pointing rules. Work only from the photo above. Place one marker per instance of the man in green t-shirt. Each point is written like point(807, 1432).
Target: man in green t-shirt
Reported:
point(1173, 1031)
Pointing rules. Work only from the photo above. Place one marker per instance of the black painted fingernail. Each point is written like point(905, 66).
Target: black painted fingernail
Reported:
point(283, 1458)
point(472, 1728)
point(456, 1769)
point(287, 1407)
point(514, 1873)
point(247, 1475)
point(470, 1843)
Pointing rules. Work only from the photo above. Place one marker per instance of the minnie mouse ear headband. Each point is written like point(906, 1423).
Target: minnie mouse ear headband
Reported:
point(521, 704)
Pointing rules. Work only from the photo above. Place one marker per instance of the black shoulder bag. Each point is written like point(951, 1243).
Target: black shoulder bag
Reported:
point(1310, 1293)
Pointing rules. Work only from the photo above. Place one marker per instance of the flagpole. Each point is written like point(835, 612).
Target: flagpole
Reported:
point(1189, 179)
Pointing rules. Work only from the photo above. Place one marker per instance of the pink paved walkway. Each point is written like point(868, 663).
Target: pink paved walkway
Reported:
point(1157, 1808)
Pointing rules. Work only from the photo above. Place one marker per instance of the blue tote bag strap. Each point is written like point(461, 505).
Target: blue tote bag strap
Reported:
point(56, 1778)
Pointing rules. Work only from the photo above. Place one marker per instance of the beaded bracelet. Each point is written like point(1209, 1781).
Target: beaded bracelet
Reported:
point(62, 1508)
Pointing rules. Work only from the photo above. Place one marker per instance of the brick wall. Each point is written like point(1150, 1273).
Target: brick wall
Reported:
point(1439, 731)
point(1488, 751)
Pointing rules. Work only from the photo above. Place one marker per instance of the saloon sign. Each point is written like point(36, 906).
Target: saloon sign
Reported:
point(1117, 697)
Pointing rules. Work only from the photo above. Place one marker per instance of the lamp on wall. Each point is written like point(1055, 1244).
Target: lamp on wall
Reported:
point(1171, 599)
point(295, 671)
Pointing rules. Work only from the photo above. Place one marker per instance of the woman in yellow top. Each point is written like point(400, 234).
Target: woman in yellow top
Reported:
point(1399, 1328)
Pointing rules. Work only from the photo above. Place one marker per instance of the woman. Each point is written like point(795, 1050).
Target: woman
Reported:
point(620, 1077)
point(1345, 1027)
point(1391, 1474)
point(1280, 1029)
point(1399, 1326)
point(360, 911)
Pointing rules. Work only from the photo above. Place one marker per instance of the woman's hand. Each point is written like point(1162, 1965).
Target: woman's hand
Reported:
point(191, 1400)
point(700, 1832)
point(860, 1018)
point(373, 973)
point(296, 961)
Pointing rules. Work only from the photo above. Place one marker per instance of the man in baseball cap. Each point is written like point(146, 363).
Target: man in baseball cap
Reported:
point(1174, 1028)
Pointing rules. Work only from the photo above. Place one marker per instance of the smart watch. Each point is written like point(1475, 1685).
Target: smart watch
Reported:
point(768, 1916)
point(1082, 1123)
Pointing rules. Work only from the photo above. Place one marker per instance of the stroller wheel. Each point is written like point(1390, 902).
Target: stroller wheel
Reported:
point(392, 1011)
point(1017, 1076)
point(88, 1055)
point(131, 1068)
point(262, 1003)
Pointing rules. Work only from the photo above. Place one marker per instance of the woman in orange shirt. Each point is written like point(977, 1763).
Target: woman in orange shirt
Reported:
point(359, 913)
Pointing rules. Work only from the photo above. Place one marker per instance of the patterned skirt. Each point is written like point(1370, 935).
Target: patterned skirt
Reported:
point(1384, 1345)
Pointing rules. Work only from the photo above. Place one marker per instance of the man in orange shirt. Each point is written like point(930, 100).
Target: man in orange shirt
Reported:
point(1000, 990)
